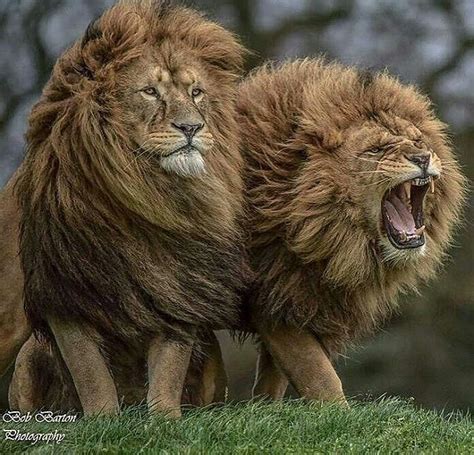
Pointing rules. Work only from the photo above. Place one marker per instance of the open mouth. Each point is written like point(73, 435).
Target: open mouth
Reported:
point(402, 213)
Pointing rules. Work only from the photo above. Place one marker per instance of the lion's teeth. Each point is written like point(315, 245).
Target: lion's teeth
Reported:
point(403, 236)
point(420, 181)
point(407, 191)
point(432, 185)
point(420, 230)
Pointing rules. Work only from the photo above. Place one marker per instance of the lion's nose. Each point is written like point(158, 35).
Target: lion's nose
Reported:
point(422, 161)
point(189, 130)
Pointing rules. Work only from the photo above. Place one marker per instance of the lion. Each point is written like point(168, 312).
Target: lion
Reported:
point(353, 193)
point(127, 211)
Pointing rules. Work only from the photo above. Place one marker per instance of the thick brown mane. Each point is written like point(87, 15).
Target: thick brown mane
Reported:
point(112, 241)
point(315, 238)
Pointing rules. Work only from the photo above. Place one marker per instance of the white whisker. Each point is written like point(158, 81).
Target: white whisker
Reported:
point(144, 148)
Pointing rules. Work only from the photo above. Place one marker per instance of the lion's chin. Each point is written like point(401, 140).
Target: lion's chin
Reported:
point(399, 257)
point(186, 162)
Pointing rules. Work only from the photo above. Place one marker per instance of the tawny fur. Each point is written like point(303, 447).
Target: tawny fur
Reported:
point(109, 240)
point(315, 182)
point(106, 238)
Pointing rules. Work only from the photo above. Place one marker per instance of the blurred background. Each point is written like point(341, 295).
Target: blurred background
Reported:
point(427, 352)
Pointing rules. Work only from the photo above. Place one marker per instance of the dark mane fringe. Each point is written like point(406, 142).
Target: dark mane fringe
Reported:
point(104, 240)
point(314, 260)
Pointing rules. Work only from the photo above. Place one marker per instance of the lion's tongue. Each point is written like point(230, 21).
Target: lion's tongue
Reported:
point(399, 214)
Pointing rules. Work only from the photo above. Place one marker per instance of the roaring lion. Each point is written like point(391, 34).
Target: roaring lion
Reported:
point(129, 208)
point(353, 192)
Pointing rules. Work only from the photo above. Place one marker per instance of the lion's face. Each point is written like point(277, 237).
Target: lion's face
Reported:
point(166, 105)
point(397, 170)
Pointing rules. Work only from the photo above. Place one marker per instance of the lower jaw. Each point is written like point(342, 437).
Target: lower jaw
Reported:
point(414, 244)
point(184, 163)
point(395, 258)
point(409, 246)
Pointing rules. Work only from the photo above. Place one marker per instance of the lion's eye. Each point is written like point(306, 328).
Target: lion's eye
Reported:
point(151, 91)
point(376, 150)
point(196, 92)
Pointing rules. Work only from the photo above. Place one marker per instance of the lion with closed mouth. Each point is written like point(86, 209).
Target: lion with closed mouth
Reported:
point(129, 206)
point(353, 192)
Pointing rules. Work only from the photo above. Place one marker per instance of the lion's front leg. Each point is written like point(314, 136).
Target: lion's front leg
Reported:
point(168, 363)
point(302, 358)
point(270, 381)
point(92, 379)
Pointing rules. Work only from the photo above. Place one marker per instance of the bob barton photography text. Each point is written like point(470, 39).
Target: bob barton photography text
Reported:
point(41, 416)
point(12, 419)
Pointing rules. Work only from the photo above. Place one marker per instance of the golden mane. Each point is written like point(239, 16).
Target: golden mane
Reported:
point(74, 127)
point(314, 243)
point(106, 239)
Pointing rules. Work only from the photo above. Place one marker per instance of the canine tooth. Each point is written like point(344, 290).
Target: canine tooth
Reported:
point(432, 185)
point(407, 190)
point(403, 236)
point(420, 230)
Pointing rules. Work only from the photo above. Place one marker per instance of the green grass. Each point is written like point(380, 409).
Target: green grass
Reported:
point(388, 426)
